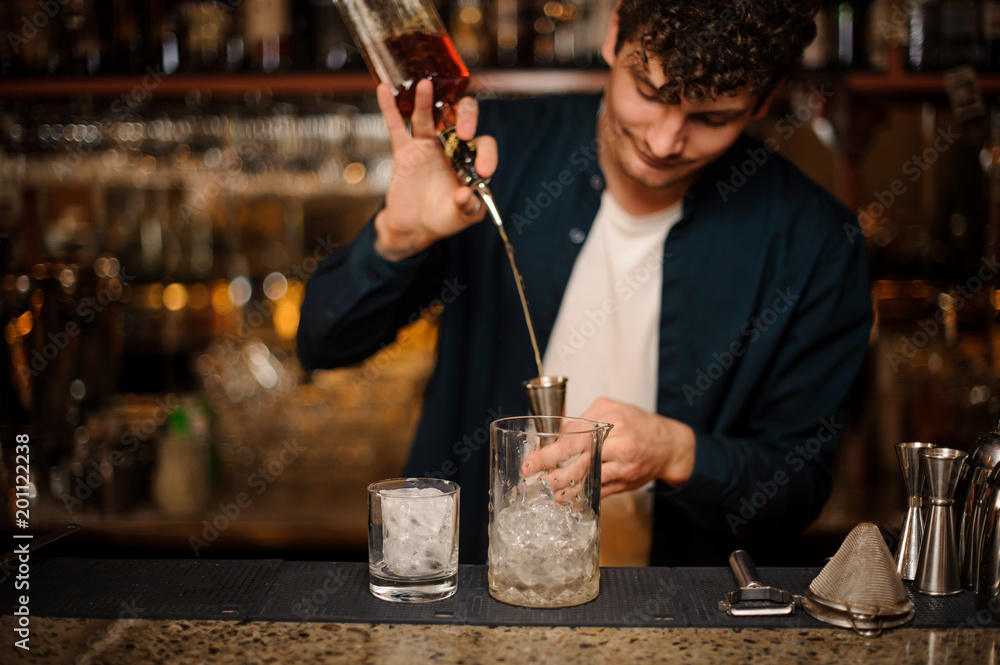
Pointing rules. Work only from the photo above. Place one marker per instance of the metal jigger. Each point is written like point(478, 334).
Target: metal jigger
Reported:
point(938, 566)
point(908, 550)
point(547, 396)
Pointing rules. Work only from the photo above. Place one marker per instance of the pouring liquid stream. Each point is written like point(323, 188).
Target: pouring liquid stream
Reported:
point(484, 193)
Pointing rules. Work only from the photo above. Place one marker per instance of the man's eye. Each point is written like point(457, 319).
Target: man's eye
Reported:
point(648, 92)
point(712, 122)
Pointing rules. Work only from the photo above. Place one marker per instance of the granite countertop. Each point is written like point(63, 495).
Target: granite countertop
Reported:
point(131, 641)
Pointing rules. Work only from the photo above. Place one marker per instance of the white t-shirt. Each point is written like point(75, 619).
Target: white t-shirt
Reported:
point(606, 335)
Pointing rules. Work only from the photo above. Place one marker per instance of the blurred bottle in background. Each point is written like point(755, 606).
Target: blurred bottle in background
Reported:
point(991, 35)
point(888, 27)
point(205, 27)
point(469, 33)
point(960, 33)
point(267, 34)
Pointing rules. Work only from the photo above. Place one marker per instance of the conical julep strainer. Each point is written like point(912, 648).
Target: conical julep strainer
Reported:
point(859, 588)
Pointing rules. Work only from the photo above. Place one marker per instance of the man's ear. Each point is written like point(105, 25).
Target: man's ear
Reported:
point(611, 37)
point(764, 106)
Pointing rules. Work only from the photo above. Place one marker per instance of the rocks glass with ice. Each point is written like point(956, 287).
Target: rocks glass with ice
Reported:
point(413, 539)
point(545, 519)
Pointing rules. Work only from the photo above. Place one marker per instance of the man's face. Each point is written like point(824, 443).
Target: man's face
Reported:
point(652, 149)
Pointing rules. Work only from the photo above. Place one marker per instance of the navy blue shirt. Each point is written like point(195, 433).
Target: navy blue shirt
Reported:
point(764, 323)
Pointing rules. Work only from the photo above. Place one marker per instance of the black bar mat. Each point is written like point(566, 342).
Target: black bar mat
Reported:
point(705, 587)
point(144, 589)
point(958, 611)
point(316, 591)
point(319, 591)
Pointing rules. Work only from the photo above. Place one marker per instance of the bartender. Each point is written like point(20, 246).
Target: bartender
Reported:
point(699, 292)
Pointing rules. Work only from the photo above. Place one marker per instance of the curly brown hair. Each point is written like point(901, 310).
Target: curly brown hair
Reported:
point(712, 48)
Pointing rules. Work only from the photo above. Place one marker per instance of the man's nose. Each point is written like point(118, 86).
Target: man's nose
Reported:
point(666, 137)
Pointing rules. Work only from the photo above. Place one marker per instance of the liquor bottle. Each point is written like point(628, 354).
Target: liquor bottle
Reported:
point(121, 35)
point(960, 33)
point(267, 34)
point(512, 42)
point(204, 31)
point(405, 41)
point(543, 33)
point(991, 35)
point(843, 45)
point(81, 40)
point(560, 33)
point(332, 46)
point(468, 32)
point(888, 28)
point(924, 48)
point(30, 40)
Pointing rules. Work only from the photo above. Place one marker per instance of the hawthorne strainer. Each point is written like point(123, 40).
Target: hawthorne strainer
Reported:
point(859, 588)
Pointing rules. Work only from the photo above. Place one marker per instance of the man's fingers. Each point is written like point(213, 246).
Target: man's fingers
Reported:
point(469, 203)
point(552, 455)
point(422, 120)
point(466, 118)
point(573, 475)
point(486, 156)
point(393, 118)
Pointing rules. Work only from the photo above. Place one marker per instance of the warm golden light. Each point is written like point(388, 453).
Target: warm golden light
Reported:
point(221, 302)
point(354, 173)
point(24, 324)
point(175, 297)
point(286, 319)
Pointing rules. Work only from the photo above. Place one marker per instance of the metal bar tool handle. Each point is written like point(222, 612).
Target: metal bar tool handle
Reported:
point(744, 570)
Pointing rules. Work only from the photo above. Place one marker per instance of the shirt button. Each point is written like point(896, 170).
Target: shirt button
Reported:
point(576, 236)
point(597, 182)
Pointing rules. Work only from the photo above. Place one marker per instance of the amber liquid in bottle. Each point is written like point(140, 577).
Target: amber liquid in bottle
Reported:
point(424, 55)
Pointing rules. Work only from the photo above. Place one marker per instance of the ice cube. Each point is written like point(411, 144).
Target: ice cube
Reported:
point(418, 531)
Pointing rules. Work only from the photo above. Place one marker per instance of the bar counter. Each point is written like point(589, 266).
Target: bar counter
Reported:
point(90, 611)
point(133, 641)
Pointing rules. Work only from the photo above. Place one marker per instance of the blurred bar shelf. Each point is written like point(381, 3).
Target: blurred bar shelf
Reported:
point(912, 84)
point(159, 84)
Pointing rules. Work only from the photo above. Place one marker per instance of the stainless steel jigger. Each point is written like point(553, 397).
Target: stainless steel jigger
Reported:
point(938, 566)
point(908, 550)
point(546, 395)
